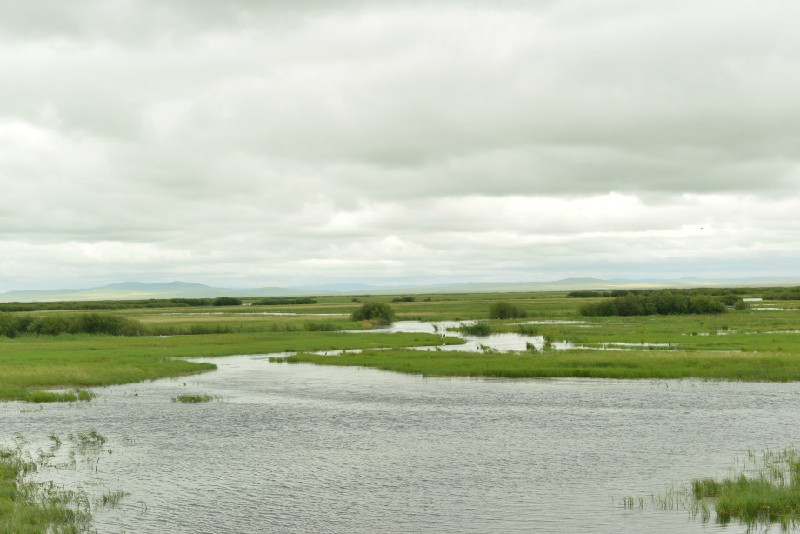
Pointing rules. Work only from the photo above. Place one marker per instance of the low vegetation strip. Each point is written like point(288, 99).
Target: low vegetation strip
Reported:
point(664, 302)
point(753, 367)
point(12, 325)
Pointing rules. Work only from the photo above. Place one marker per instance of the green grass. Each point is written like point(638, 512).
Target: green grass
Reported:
point(32, 367)
point(193, 399)
point(26, 507)
point(766, 492)
point(31, 364)
point(58, 396)
point(754, 367)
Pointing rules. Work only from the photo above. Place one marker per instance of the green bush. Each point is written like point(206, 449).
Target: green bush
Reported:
point(227, 301)
point(584, 293)
point(283, 301)
point(505, 310)
point(92, 323)
point(664, 302)
point(377, 312)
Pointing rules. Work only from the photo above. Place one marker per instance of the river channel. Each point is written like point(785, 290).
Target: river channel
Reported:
point(303, 448)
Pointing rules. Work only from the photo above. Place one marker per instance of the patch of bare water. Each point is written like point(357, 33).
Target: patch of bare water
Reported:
point(509, 341)
point(303, 448)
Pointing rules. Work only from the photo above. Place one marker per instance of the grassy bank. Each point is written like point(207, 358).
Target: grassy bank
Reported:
point(754, 367)
point(31, 364)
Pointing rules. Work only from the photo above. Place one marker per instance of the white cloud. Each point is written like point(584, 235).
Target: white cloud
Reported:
point(270, 143)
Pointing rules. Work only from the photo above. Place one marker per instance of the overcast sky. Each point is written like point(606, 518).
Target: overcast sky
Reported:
point(250, 143)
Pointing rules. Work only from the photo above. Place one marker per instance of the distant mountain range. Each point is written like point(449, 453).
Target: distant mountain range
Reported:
point(138, 290)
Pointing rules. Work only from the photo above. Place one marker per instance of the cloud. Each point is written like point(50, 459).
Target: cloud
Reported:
point(259, 141)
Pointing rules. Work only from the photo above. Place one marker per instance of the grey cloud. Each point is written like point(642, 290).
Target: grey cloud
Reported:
point(288, 138)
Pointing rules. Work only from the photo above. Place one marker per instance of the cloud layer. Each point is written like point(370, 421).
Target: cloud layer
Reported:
point(256, 143)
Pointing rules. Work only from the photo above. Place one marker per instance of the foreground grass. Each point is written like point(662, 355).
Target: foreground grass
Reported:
point(27, 507)
point(771, 492)
point(28, 365)
point(753, 367)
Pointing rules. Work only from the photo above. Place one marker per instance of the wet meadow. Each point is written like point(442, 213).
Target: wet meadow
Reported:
point(74, 352)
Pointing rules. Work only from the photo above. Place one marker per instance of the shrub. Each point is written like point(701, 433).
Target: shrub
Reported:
point(584, 293)
point(281, 301)
point(504, 310)
point(705, 304)
point(377, 312)
point(665, 302)
point(93, 323)
point(730, 300)
point(403, 299)
point(8, 325)
point(227, 301)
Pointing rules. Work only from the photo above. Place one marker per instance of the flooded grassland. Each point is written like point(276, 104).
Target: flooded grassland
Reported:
point(449, 443)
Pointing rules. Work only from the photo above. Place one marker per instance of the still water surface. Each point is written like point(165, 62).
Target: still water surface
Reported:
point(302, 448)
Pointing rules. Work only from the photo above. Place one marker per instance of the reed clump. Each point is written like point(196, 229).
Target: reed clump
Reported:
point(196, 398)
point(765, 490)
point(32, 507)
point(58, 396)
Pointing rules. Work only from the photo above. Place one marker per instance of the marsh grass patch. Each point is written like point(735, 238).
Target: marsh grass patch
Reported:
point(196, 398)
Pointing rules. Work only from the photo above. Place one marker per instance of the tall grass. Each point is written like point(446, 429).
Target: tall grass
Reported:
point(755, 367)
point(768, 491)
point(26, 507)
point(12, 325)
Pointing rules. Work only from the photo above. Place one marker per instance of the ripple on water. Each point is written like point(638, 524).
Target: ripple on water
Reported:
point(310, 448)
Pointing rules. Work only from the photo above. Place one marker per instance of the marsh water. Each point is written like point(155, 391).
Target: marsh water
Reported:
point(302, 448)
point(508, 341)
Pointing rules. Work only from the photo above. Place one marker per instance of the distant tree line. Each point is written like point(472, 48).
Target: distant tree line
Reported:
point(282, 301)
point(586, 293)
point(658, 302)
point(226, 301)
point(106, 304)
point(731, 293)
point(91, 323)
point(149, 303)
